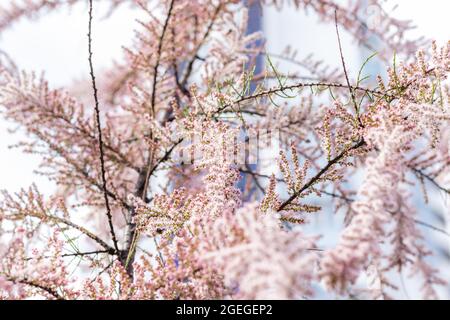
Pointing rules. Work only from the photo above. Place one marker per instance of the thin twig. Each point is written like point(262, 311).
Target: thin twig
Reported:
point(100, 139)
point(165, 157)
point(83, 231)
point(352, 94)
point(153, 96)
point(75, 254)
point(102, 271)
point(197, 49)
point(430, 226)
point(430, 179)
point(254, 175)
point(127, 256)
point(158, 57)
point(314, 179)
point(36, 285)
point(275, 90)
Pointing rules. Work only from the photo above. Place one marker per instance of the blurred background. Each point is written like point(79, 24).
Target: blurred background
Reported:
point(57, 44)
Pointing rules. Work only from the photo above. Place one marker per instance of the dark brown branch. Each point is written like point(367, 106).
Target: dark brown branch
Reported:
point(254, 176)
point(430, 226)
point(127, 255)
point(350, 200)
point(165, 157)
point(298, 86)
point(275, 90)
point(76, 254)
point(83, 231)
point(158, 57)
point(316, 178)
point(109, 265)
point(82, 254)
point(153, 96)
point(100, 140)
point(197, 49)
